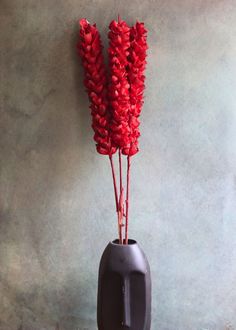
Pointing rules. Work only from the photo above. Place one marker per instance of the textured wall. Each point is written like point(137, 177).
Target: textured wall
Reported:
point(56, 202)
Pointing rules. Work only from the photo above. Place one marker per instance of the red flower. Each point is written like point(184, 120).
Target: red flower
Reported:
point(115, 105)
point(119, 86)
point(90, 50)
point(136, 67)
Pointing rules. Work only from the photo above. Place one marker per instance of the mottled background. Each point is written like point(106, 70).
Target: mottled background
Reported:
point(56, 198)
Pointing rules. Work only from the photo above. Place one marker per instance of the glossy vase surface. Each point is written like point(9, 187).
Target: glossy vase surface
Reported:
point(124, 288)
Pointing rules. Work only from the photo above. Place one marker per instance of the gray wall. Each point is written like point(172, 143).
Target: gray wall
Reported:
point(56, 204)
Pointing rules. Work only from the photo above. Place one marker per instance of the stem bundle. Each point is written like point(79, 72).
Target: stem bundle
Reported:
point(115, 99)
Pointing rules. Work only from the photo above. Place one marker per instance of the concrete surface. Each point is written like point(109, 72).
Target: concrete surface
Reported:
point(56, 198)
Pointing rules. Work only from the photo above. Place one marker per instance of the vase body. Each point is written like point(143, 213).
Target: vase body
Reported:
point(124, 288)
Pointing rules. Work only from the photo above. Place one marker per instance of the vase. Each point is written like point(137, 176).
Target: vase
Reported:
point(124, 288)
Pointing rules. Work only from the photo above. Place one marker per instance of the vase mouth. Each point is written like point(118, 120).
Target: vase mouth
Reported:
point(117, 242)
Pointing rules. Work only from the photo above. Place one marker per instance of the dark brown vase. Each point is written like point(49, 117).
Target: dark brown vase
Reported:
point(124, 288)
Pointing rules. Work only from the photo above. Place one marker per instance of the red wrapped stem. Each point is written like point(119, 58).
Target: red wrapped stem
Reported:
point(90, 49)
point(118, 51)
point(136, 78)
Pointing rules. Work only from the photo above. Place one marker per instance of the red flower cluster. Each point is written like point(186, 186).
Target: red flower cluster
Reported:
point(137, 64)
point(115, 104)
point(118, 51)
point(90, 50)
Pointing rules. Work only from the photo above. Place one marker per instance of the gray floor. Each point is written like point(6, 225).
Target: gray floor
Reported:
point(56, 198)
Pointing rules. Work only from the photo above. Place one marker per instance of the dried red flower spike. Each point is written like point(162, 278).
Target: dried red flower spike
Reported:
point(90, 49)
point(136, 68)
point(115, 104)
point(118, 51)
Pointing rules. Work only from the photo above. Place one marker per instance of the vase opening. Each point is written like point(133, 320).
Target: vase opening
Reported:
point(130, 242)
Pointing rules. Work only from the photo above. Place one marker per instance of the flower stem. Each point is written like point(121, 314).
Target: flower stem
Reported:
point(120, 168)
point(121, 199)
point(116, 196)
point(127, 200)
